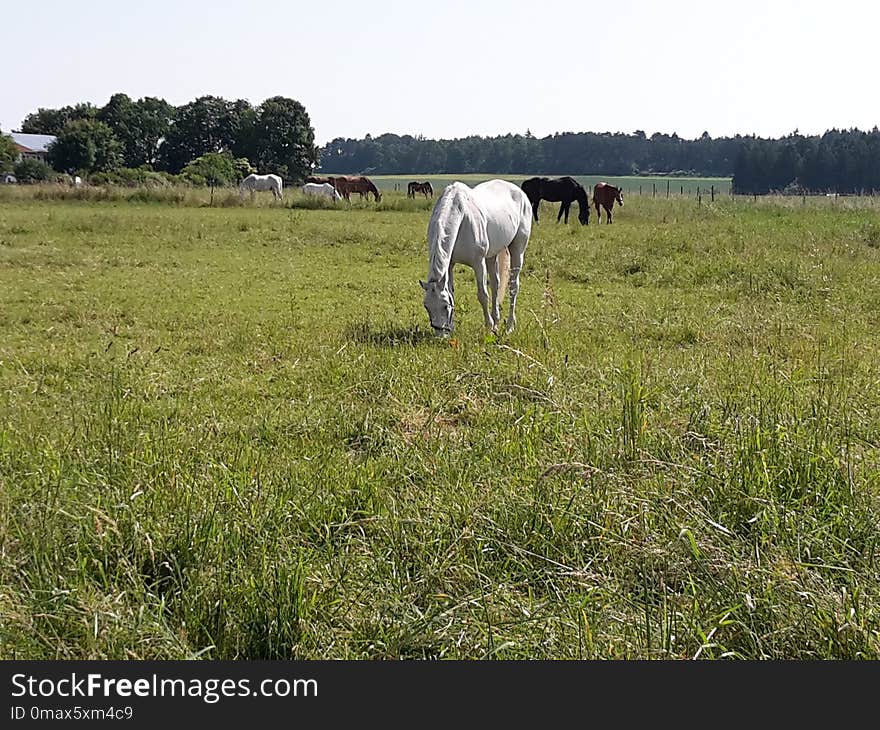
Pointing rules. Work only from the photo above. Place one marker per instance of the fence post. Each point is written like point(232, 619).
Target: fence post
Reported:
point(654, 193)
point(682, 189)
point(712, 189)
point(699, 196)
point(667, 188)
point(640, 191)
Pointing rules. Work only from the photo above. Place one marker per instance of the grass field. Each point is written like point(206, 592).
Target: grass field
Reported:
point(227, 433)
point(645, 186)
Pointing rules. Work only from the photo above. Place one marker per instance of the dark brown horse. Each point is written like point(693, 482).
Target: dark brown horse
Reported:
point(605, 195)
point(319, 180)
point(564, 190)
point(417, 187)
point(347, 184)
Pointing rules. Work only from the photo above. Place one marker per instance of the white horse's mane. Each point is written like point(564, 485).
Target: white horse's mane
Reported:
point(453, 209)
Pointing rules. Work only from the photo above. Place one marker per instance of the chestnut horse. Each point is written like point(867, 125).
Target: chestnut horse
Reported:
point(605, 195)
point(347, 184)
point(417, 187)
point(564, 190)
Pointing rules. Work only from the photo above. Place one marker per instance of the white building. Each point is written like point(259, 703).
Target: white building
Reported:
point(31, 145)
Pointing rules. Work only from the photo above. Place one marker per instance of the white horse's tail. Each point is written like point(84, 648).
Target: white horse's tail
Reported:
point(503, 273)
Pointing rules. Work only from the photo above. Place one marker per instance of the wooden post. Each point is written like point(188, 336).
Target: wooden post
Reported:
point(640, 191)
point(682, 190)
point(712, 189)
point(699, 196)
point(667, 188)
point(654, 193)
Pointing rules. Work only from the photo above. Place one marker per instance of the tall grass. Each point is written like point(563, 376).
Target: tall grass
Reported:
point(227, 432)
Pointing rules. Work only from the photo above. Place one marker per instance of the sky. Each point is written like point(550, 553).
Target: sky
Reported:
point(452, 68)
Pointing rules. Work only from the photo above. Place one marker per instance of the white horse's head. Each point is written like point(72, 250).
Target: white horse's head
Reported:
point(440, 304)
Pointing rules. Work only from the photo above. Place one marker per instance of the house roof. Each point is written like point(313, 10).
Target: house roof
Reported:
point(32, 142)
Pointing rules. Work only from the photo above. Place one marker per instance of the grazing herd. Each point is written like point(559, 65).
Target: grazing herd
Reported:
point(486, 227)
point(345, 185)
point(563, 190)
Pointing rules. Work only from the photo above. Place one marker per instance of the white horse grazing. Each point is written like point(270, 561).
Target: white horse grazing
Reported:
point(486, 227)
point(253, 183)
point(325, 190)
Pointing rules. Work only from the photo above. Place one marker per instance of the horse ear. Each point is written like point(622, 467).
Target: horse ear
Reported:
point(423, 285)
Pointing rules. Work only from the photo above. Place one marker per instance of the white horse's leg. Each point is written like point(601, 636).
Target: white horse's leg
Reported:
point(482, 294)
point(492, 269)
point(517, 250)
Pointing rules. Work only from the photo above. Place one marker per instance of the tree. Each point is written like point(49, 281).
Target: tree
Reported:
point(138, 125)
point(243, 168)
point(8, 153)
point(208, 124)
point(52, 121)
point(85, 146)
point(285, 140)
point(31, 169)
point(212, 168)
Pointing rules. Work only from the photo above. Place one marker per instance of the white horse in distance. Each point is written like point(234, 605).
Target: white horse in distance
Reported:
point(255, 183)
point(325, 190)
point(486, 227)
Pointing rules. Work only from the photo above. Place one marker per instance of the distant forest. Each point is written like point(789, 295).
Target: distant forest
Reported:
point(837, 161)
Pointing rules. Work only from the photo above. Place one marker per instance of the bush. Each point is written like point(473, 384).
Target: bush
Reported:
point(30, 170)
point(133, 177)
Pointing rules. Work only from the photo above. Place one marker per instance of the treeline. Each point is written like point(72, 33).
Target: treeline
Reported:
point(273, 137)
point(581, 153)
point(838, 161)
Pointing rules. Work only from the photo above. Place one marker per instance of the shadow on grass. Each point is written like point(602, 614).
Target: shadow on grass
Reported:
point(387, 335)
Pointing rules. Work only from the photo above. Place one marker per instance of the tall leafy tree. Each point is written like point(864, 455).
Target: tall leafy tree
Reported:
point(284, 139)
point(208, 124)
point(138, 125)
point(52, 121)
point(85, 145)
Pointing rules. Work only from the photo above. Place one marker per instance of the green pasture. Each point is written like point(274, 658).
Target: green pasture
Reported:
point(644, 186)
point(227, 432)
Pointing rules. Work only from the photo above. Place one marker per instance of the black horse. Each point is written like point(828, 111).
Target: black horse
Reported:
point(561, 189)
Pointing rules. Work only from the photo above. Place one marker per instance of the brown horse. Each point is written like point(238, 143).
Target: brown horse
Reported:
point(417, 187)
point(347, 184)
point(605, 195)
point(319, 180)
